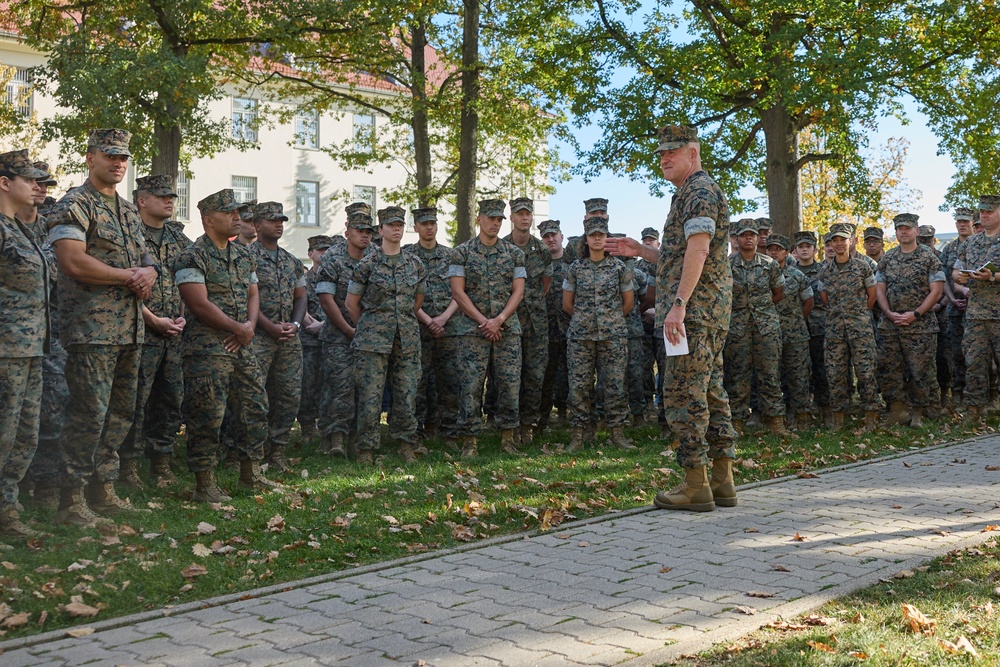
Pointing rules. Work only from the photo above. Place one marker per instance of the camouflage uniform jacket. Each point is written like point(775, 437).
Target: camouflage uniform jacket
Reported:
point(753, 281)
point(277, 280)
point(165, 299)
point(698, 207)
point(489, 273)
point(313, 308)
point(24, 292)
point(388, 286)
point(817, 317)
point(846, 286)
point(597, 306)
point(872, 264)
point(797, 291)
point(99, 314)
point(558, 319)
point(335, 273)
point(227, 274)
point(984, 296)
point(948, 258)
point(437, 290)
point(633, 321)
point(532, 312)
point(907, 278)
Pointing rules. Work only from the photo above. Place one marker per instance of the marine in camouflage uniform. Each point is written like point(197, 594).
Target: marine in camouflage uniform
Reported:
point(437, 393)
point(792, 311)
point(24, 334)
point(555, 386)
point(487, 281)
point(805, 243)
point(982, 315)
point(847, 284)
point(102, 326)
point(957, 298)
point(652, 344)
point(636, 368)
point(161, 367)
point(218, 277)
point(385, 292)
point(338, 405)
point(312, 346)
point(945, 371)
point(532, 313)
point(910, 281)
point(754, 342)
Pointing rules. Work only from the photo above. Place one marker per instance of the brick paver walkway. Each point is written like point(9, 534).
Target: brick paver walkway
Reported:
point(636, 588)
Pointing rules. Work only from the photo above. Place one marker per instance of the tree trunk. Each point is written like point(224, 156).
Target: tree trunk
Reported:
point(784, 194)
point(168, 150)
point(468, 143)
point(421, 136)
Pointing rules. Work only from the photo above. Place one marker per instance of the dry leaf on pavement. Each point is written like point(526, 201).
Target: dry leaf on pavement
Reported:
point(749, 611)
point(799, 538)
point(760, 594)
point(807, 475)
point(989, 528)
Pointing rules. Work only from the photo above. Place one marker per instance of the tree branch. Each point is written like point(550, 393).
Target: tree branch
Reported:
point(814, 157)
point(748, 141)
point(623, 40)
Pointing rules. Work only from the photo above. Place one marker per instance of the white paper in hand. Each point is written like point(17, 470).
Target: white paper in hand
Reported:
point(672, 350)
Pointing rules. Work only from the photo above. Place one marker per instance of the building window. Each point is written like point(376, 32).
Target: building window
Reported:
point(245, 119)
point(19, 89)
point(245, 188)
point(307, 203)
point(365, 193)
point(364, 132)
point(182, 207)
point(307, 129)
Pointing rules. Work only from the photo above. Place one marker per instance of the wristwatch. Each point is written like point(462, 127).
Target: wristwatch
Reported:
point(917, 315)
point(680, 303)
point(298, 325)
point(993, 277)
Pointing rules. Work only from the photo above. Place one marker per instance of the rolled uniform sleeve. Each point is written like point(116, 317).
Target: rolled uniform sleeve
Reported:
point(189, 275)
point(569, 280)
point(456, 271)
point(699, 225)
point(625, 280)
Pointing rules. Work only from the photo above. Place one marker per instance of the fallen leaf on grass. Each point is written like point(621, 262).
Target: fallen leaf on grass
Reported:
point(16, 620)
point(904, 574)
point(917, 621)
point(462, 533)
point(785, 625)
point(80, 632)
point(391, 520)
point(77, 608)
point(7, 565)
point(820, 646)
point(201, 550)
point(963, 645)
point(194, 570)
point(205, 528)
point(815, 619)
point(276, 523)
point(760, 594)
point(858, 655)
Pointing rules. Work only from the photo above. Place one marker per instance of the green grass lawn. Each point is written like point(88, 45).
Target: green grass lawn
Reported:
point(334, 515)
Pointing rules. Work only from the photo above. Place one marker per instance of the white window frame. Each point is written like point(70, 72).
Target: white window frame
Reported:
point(20, 90)
point(182, 207)
point(245, 118)
point(367, 194)
point(364, 132)
point(308, 202)
point(244, 188)
point(307, 129)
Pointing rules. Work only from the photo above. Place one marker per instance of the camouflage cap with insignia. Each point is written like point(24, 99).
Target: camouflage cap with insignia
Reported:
point(842, 230)
point(364, 207)
point(650, 233)
point(779, 240)
point(806, 236)
point(874, 233)
point(159, 185)
point(223, 201)
point(522, 203)
point(110, 141)
point(269, 210)
point(595, 223)
point(320, 242)
point(828, 237)
point(492, 208)
point(905, 220)
point(245, 210)
point(989, 202)
point(360, 220)
point(392, 214)
point(964, 214)
point(549, 227)
point(595, 204)
point(44, 166)
point(926, 231)
point(763, 223)
point(745, 225)
point(675, 136)
point(429, 214)
point(17, 163)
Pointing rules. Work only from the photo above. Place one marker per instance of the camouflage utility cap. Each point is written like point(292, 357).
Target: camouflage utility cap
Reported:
point(650, 233)
point(19, 164)
point(595, 204)
point(964, 214)
point(44, 166)
point(779, 240)
point(841, 229)
point(522, 203)
point(989, 202)
point(492, 208)
point(223, 200)
point(806, 236)
point(926, 231)
point(360, 220)
point(829, 237)
point(593, 224)
point(391, 215)
point(746, 225)
point(851, 227)
point(424, 215)
point(905, 220)
point(269, 210)
point(159, 185)
point(110, 141)
point(675, 136)
point(246, 210)
point(874, 233)
point(321, 242)
point(763, 223)
point(549, 227)
point(358, 206)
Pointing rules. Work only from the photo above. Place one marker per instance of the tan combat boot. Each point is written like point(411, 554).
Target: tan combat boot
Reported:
point(527, 434)
point(252, 478)
point(406, 451)
point(723, 486)
point(898, 414)
point(11, 525)
point(802, 421)
point(915, 418)
point(575, 439)
point(366, 457)
point(470, 447)
point(73, 510)
point(128, 474)
point(159, 468)
point(508, 442)
point(776, 426)
point(694, 494)
point(206, 490)
point(277, 461)
point(837, 421)
point(334, 445)
point(551, 448)
point(590, 434)
point(101, 498)
point(308, 431)
point(619, 440)
point(871, 421)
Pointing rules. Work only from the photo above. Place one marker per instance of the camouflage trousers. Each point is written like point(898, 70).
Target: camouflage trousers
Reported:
point(982, 349)
point(906, 367)
point(634, 384)
point(754, 352)
point(695, 403)
point(159, 399)
point(211, 384)
point(102, 382)
point(281, 365)
point(46, 466)
point(437, 393)
point(371, 369)
point(534, 359)
point(474, 355)
point(555, 387)
point(448, 379)
point(818, 381)
point(851, 345)
point(338, 404)
point(586, 360)
point(956, 337)
point(312, 384)
point(648, 374)
point(20, 404)
point(795, 364)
